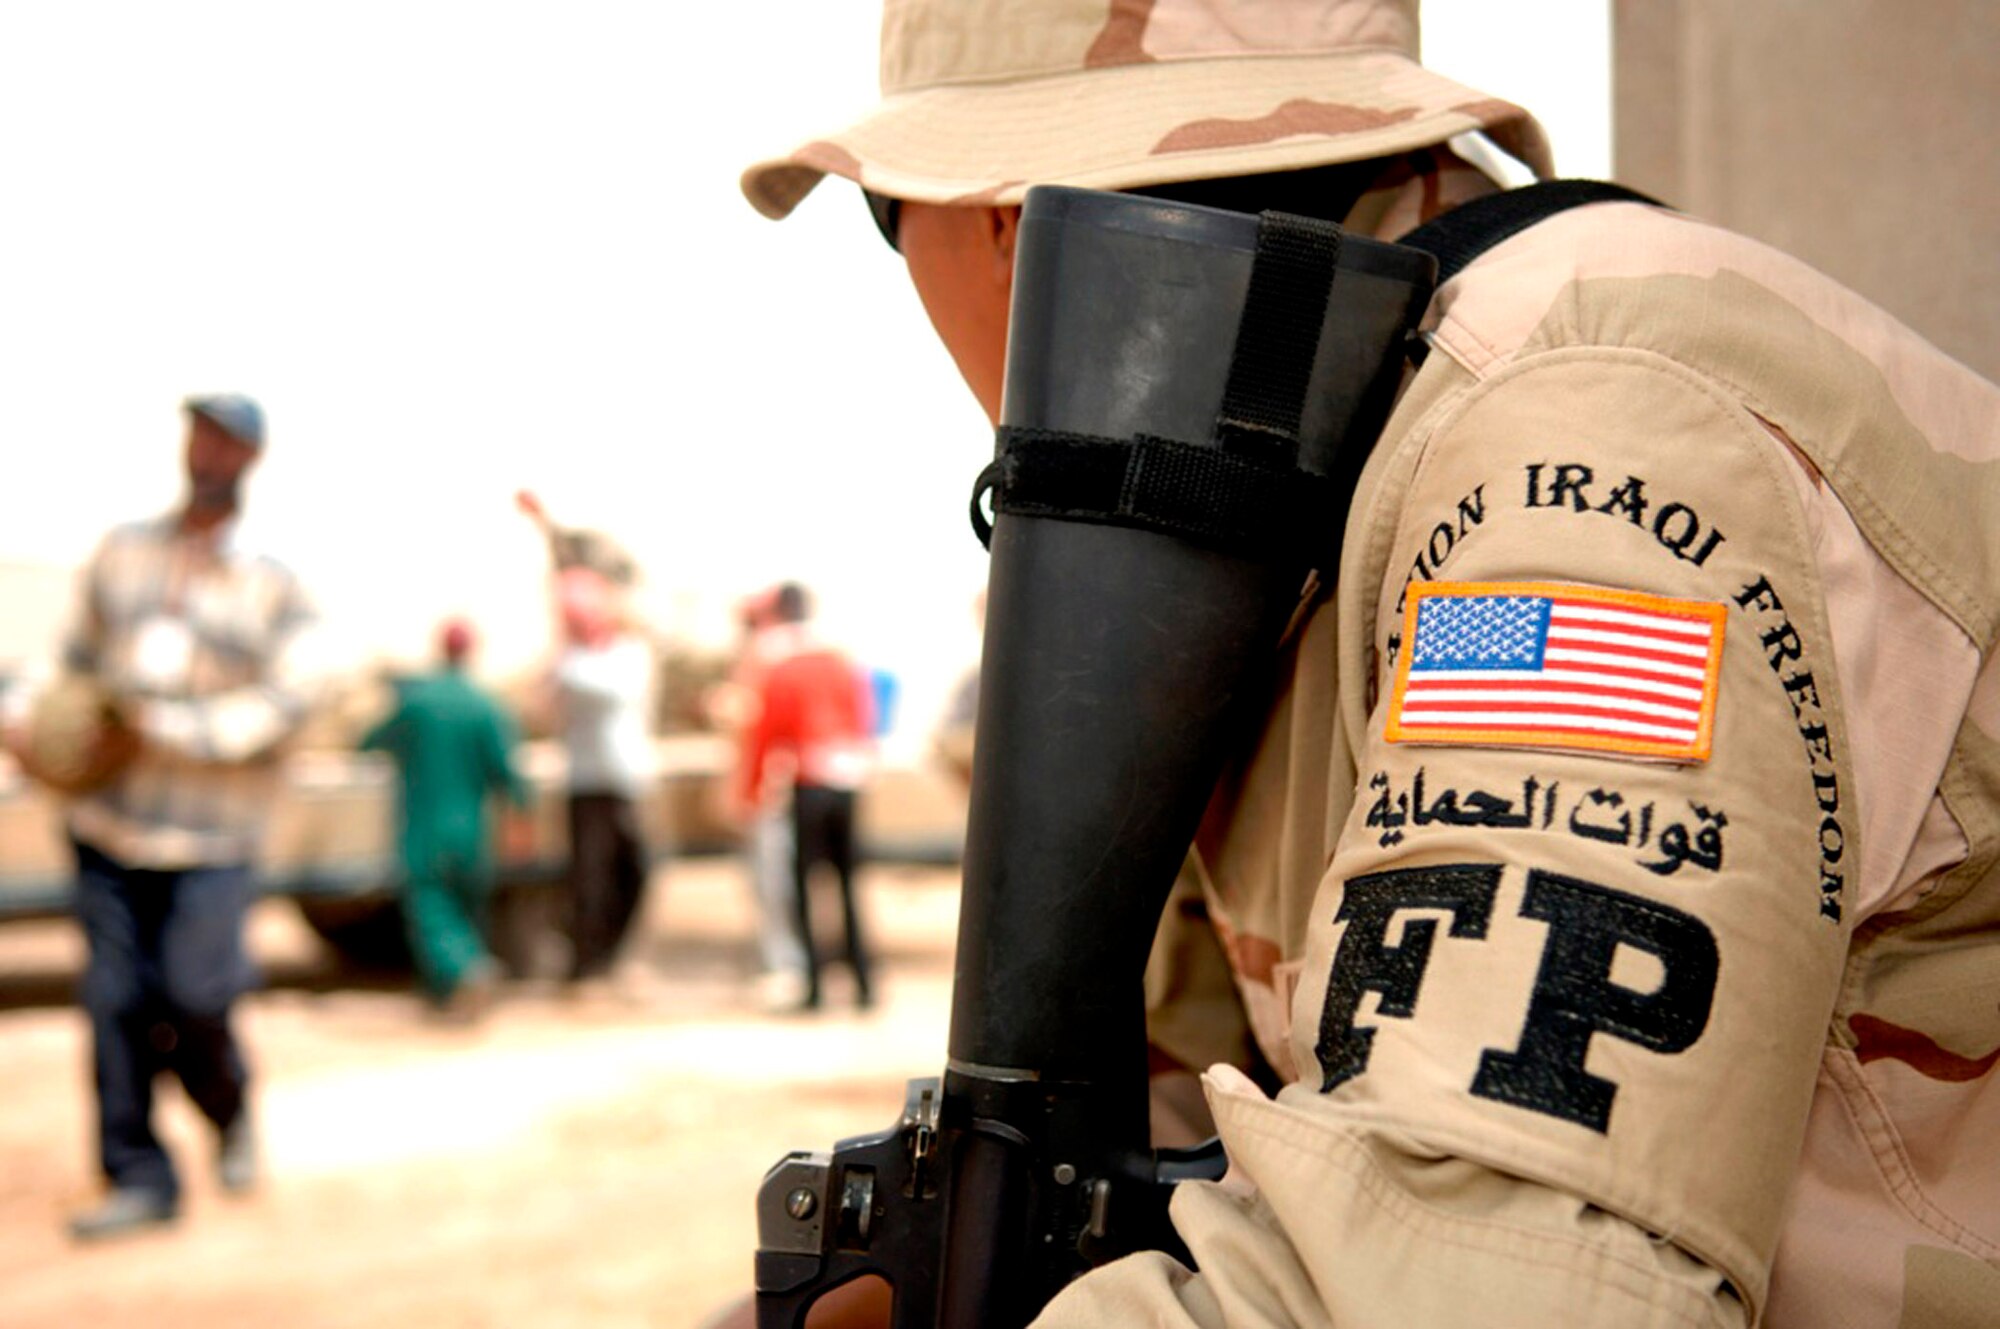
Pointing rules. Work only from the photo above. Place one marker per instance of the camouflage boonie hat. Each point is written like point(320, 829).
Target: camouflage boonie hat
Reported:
point(982, 98)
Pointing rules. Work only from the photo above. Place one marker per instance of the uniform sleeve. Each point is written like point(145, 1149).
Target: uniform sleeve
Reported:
point(1194, 1016)
point(1571, 966)
point(246, 723)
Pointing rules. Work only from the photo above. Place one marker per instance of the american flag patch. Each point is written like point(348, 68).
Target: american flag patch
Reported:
point(1532, 665)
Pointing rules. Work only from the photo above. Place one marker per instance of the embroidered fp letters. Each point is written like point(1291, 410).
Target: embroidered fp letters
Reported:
point(1574, 998)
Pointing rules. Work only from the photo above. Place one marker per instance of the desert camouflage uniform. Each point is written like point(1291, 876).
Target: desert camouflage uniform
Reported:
point(1734, 430)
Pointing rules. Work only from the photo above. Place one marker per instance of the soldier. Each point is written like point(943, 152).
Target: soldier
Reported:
point(1657, 670)
point(199, 640)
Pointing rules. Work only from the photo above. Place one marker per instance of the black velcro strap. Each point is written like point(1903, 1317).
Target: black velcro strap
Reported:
point(1202, 494)
point(1470, 229)
point(1244, 493)
point(1278, 336)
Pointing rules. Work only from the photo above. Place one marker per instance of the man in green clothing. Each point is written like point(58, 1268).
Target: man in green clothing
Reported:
point(451, 743)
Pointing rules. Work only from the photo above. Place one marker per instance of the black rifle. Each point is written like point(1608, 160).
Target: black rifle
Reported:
point(1190, 396)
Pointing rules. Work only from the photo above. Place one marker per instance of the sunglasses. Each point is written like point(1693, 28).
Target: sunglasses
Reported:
point(888, 215)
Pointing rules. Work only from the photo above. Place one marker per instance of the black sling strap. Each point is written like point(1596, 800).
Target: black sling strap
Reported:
point(1470, 229)
point(1245, 493)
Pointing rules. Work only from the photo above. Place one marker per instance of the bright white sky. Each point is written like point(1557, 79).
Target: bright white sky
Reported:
point(461, 248)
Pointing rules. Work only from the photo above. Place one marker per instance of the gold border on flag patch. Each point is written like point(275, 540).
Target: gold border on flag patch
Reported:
point(1550, 665)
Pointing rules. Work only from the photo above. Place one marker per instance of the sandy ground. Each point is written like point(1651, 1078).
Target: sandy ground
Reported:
point(582, 1161)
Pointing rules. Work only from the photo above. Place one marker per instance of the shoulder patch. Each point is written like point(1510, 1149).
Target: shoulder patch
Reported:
point(1544, 665)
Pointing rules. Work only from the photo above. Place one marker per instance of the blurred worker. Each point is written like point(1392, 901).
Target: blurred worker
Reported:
point(452, 745)
point(768, 834)
point(198, 640)
point(814, 708)
point(576, 547)
point(603, 684)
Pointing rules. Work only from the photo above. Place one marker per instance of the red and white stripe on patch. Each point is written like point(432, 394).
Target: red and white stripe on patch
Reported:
point(1542, 665)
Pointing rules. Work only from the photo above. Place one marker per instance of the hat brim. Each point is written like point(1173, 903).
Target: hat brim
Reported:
point(1145, 124)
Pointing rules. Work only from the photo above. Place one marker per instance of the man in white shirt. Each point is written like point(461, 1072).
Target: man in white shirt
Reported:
point(603, 681)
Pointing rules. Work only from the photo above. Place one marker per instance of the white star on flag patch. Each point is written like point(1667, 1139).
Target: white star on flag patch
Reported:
point(1539, 665)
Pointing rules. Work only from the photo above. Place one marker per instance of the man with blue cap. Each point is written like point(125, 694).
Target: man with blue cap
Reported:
point(193, 641)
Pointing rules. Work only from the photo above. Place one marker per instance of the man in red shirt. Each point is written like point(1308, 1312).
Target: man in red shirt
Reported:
point(814, 708)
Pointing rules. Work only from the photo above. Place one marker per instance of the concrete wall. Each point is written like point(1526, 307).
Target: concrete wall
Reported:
point(1862, 136)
